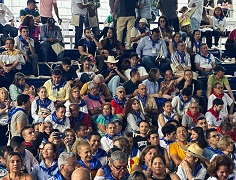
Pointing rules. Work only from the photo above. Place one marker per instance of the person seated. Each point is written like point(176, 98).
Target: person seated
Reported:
point(31, 10)
point(118, 103)
point(86, 160)
point(225, 129)
point(4, 152)
point(181, 102)
point(219, 93)
point(78, 116)
point(105, 118)
point(192, 163)
point(169, 136)
point(29, 161)
point(173, 43)
point(25, 45)
point(189, 119)
point(88, 45)
point(176, 153)
point(11, 60)
point(226, 6)
point(204, 61)
point(94, 101)
point(50, 34)
point(107, 139)
point(138, 32)
point(57, 87)
point(232, 132)
point(28, 21)
point(214, 115)
point(165, 30)
point(168, 85)
point(81, 130)
point(193, 46)
point(153, 51)
point(152, 82)
point(109, 22)
point(7, 29)
point(131, 85)
point(67, 163)
point(41, 106)
point(201, 122)
point(218, 76)
point(166, 116)
point(117, 159)
point(103, 89)
point(134, 115)
point(113, 74)
point(58, 119)
point(219, 24)
point(180, 60)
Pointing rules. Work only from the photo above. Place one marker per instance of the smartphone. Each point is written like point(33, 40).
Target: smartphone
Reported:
point(60, 135)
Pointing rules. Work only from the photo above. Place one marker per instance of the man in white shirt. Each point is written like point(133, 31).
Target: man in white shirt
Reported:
point(197, 15)
point(219, 93)
point(214, 116)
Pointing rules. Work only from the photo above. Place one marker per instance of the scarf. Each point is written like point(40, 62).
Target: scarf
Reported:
point(82, 103)
point(108, 174)
point(208, 57)
point(57, 176)
point(108, 136)
point(220, 96)
point(197, 169)
point(194, 117)
point(143, 99)
point(120, 103)
point(138, 116)
point(107, 118)
point(143, 166)
point(216, 151)
point(62, 84)
point(13, 111)
point(134, 68)
point(215, 114)
point(222, 153)
point(24, 42)
point(78, 119)
point(134, 152)
point(153, 42)
point(160, 101)
point(182, 56)
point(30, 11)
point(168, 142)
point(28, 144)
point(23, 155)
point(100, 153)
point(221, 18)
point(53, 167)
point(94, 164)
point(43, 104)
point(197, 45)
point(3, 105)
point(183, 103)
point(174, 43)
point(142, 31)
point(168, 117)
point(95, 97)
point(54, 118)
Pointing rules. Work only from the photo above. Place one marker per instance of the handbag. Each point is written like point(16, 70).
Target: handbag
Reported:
point(75, 20)
point(57, 48)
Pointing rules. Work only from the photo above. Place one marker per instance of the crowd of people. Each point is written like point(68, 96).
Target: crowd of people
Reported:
point(115, 118)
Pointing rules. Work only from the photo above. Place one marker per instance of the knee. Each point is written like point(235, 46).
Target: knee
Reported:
point(45, 45)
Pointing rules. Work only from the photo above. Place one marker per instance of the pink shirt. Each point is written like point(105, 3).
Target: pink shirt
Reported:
point(46, 7)
point(232, 35)
point(91, 104)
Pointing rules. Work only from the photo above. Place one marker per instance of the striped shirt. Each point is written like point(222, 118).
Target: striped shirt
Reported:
point(176, 60)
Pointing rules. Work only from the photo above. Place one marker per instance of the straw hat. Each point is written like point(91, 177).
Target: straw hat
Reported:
point(194, 150)
point(143, 20)
point(111, 59)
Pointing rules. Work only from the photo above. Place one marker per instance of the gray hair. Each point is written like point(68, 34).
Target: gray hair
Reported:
point(119, 87)
point(137, 175)
point(91, 85)
point(98, 77)
point(118, 156)
point(63, 158)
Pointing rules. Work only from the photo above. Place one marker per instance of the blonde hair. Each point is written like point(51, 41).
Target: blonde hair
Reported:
point(78, 144)
point(224, 142)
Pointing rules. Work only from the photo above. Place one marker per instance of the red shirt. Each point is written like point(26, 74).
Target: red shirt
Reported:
point(117, 107)
point(86, 120)
point(232, 135)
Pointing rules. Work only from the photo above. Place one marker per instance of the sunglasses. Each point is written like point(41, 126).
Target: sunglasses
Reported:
point(121, 91)
point(162, 21)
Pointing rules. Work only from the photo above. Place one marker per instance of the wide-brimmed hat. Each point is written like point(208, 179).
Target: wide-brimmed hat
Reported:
point(111, 59)
point(143, 20)
point(194, 150)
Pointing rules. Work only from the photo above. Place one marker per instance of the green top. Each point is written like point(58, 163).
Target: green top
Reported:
point(101, 120)
point(109, 19)
point(212, 80)
point(34, 13)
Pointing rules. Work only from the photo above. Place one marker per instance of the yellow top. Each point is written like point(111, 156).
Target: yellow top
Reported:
point(174, 148)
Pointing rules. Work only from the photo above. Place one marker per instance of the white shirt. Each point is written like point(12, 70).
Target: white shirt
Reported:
point(60, 127)
point(204, 62)
point(211, 119)
point(82, 109)
point(76, 10)
point(7, 12)
point(9, 60)
point(227, 102)
point(219, 24)
point(176, 104)
point(106, 143)
point(198, 9)
point(142, 71)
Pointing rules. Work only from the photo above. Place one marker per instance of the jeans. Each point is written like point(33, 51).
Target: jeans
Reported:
point(79, 31)
point(10, 29)
point(113, 84)
point(34, 62)
point(183, 35)
point(149, 62)
point(216, 34)
point(46, 46)
point(208, 35)
point(175, 23)
point(44, 20)
point(195, 24)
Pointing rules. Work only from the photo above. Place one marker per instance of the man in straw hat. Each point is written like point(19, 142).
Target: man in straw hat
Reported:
point(190, 167)
point(112, 75)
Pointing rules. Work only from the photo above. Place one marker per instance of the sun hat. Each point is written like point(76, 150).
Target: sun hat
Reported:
point(194, 150)
point(143, 20)
point(111, 59)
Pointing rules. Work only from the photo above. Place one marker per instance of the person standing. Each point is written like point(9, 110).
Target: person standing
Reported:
point(197, 15)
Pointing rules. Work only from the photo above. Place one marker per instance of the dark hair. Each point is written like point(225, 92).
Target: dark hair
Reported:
point(175, 34)
point(137, 175)
point(10, 39)
point(26, 21)
point(203, 44)
point(114, 35)
point(215, 85)
point(221, 14)
point(143, 121)
point(4, 149)
point(226, 126)
point(93, 133)
point(56, 72)
point(152, 74)
point(23, 27)
point(201, 141)
point(112, 150)
point(155, 30)
point(159, 156)
point(186, 92)
point(133, 72)
point(133, 54)
point(78, 127)
point(192, 38)
point(201, 118)
point(58, 106)
point(22, 98)
point(87, 28)
point(179, 42)
point(119, 122)
point(66, 61)
point(16, 142)
point(168, 29)
point(173, 120)
point(218, 102)
point(168, 129)
point(53, 130)
point(24, 128)
point(128, 134)
point(208, 132)
point(145, 151)
point(151, 132)
point(128, 107)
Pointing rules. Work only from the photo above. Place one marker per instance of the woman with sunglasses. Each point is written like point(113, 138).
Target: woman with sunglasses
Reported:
point(166, 31)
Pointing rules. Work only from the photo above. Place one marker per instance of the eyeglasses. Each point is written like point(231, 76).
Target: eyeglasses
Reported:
point(231, 143)
point(162, 21)
point(121, 91)
point(120, 167)
point(214, 136)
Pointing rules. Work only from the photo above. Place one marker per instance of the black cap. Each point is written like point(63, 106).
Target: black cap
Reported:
point(219, 68)
point(32, 1)
point(51, 21)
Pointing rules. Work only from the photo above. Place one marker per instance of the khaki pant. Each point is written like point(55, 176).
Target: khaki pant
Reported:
point(123, 22)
